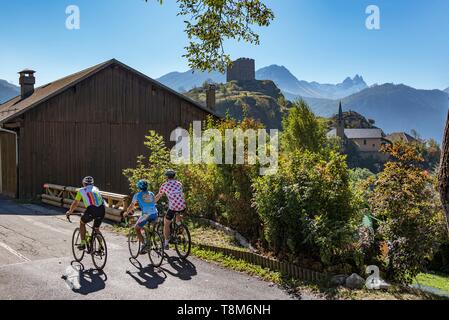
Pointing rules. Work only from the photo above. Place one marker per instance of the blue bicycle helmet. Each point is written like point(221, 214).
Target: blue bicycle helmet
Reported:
point(142, 185)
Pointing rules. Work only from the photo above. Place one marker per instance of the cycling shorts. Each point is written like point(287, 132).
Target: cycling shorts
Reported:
point(171, 214)
point(145, 219)
point(94, 213)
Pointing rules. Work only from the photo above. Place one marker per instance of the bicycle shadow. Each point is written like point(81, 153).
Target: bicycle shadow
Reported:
point(91, 280)
point(185, 269)
point(146, 276)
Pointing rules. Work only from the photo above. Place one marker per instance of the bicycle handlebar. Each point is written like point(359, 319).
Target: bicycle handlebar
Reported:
point(68, 216)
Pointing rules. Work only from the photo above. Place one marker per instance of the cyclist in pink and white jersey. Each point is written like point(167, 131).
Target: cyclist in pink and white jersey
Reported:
point(176, 202)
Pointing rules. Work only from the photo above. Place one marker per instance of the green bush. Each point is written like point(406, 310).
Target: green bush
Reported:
point(153, 167)
point(234, 187)
point(200, 189)
point(302, 129)
point(306, 207)
point(406, 202)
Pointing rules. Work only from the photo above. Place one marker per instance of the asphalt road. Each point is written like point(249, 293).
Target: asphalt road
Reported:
point(35, 251)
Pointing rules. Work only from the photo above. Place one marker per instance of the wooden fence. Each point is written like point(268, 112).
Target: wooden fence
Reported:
point(61, 196)
point(286, 268)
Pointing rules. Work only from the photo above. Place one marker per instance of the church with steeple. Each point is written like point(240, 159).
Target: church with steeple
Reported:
point(368, 141)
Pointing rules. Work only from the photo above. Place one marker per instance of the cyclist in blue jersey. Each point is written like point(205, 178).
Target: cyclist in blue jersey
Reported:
point(95, 210)
point(147, 204)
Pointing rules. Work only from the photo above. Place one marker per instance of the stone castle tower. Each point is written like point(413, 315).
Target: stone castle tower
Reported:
point(243, 69)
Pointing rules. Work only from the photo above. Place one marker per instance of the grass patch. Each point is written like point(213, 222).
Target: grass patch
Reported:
point(238, 265)
point(437, 281)
point(206, 234)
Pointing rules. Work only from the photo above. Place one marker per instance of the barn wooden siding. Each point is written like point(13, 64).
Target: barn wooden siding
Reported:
point(8, 164)
point(97, 128)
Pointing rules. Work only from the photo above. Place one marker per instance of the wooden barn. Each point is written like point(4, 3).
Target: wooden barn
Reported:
point(89, 123)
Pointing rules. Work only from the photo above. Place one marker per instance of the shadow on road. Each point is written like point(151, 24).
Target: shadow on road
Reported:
point(91, 280)
point(146, 276)
point(185, 270)
point(9, 206)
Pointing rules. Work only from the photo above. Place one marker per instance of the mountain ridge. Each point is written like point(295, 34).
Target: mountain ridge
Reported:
point(280, 75)
point(7, 91)
point(290, 84)
point(185, 81)
point(394, 107)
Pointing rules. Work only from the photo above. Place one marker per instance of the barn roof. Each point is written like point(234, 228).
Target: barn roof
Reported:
point(17, 106)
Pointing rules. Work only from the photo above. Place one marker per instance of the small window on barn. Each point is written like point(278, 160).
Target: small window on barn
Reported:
point(153, 90)
point(364, 142)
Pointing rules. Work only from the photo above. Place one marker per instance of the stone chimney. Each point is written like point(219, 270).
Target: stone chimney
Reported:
point(210, 96)
point(27, 82)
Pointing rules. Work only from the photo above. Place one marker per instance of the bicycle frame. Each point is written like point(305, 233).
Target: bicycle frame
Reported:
point(91, 235)
point(150, 239)
point(172, 223)
point(149, 228)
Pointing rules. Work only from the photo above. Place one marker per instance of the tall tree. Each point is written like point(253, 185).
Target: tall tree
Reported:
point(404, 200)
point(443, 176)
point(210, 23)
point(302, 129)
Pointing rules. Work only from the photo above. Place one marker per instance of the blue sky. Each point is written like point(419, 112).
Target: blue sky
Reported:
point(318, 40)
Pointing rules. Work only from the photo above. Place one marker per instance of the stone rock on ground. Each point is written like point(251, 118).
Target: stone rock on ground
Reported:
point(354, 281)
point(339, 280)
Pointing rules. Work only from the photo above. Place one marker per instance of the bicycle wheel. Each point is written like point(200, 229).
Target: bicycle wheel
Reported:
point(182, 241)
point(155, 249)
point(133, 244)
point(99, 251)
point(76, 241)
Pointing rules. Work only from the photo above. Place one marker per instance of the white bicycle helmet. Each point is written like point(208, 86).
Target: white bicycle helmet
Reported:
point(88, 181)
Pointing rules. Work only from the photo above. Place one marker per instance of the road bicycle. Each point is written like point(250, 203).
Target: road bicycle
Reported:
point(154, 243)
point(95, 246)
point(179, 235)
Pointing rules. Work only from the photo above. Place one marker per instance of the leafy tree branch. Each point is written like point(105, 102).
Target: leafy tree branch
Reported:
point(209, 23)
